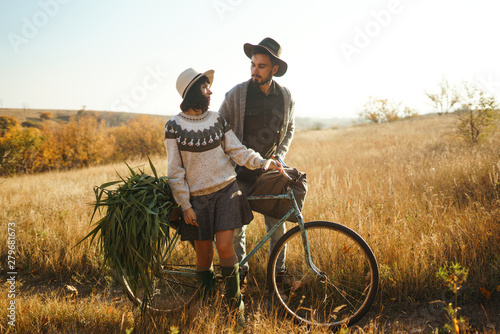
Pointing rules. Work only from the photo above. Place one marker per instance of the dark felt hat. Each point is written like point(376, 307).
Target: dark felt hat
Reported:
point(274, 49)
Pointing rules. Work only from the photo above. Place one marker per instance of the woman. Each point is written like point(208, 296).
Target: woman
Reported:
point(200, 146)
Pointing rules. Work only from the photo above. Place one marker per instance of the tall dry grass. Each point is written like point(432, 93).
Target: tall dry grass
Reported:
point(418, 196)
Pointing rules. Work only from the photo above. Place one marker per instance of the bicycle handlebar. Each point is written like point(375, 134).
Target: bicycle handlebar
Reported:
point(268, 163)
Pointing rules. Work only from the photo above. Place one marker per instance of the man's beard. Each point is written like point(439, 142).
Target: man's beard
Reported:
point(263, 82)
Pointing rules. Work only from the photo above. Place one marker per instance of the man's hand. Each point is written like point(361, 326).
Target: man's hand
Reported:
point(190, 217)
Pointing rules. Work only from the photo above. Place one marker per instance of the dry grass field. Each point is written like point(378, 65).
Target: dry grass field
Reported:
point(420, 197)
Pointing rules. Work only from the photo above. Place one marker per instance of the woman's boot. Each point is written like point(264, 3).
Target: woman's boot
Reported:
point(206, 282)
point(233, 295)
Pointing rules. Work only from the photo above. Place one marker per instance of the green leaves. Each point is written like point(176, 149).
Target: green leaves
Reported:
point(133, 233)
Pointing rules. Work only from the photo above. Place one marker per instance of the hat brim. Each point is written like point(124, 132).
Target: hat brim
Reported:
point(283, 66)
point(209, 74)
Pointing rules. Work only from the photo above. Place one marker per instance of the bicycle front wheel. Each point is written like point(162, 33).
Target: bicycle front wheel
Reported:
point(174, 283)
point(347, 282)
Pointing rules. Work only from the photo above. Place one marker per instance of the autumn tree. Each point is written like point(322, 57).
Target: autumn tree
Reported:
point(445, 97)
point(20, 150)
point(78, 143)
point(385, 110)
point(81, 142)
point(7, 123)
point(478, 114)
point(140, 137)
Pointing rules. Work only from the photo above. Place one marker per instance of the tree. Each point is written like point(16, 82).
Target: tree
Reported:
point(409, 112)
point(446, 97)
point(478, 115)
point(385, 110)
point(79, 143)
point(140, 137)
point(370, 111)
point(20, 149)
point(7, 123)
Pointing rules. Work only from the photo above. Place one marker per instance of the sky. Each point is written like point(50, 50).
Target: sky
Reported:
point(126, 55)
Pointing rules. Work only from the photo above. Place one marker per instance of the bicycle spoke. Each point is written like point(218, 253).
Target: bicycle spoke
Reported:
point(349, 276)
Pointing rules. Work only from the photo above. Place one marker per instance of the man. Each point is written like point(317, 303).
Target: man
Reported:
point(261, 115)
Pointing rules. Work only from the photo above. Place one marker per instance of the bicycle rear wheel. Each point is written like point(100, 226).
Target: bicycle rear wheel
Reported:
point(349, 278)
point(174, 284)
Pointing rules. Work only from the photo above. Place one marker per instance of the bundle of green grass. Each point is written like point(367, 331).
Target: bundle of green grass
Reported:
point(133, 233)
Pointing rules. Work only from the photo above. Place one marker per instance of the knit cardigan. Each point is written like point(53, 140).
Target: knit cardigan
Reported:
point(199, 153)
point(233, 110)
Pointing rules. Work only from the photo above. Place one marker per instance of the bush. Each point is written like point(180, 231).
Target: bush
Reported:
point(46, 115)
point(143, 136)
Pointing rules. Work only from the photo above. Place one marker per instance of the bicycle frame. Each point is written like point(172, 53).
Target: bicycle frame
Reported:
point(300, 221)
point(293, 211)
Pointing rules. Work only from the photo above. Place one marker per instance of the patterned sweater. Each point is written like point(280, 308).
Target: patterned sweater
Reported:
point(199, 152)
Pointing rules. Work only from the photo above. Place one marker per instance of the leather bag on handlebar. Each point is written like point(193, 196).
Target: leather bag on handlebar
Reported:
point(272, 182)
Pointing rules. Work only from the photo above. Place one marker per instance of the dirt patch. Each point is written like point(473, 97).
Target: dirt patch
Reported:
point(427, 317)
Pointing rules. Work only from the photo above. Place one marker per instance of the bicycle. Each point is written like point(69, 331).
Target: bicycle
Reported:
point(331, 275)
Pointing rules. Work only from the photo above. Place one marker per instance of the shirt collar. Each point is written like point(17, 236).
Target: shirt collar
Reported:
point(256, 90)
point(274, 88)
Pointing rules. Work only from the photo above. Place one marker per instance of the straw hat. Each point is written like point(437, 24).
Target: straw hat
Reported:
point(186, 80)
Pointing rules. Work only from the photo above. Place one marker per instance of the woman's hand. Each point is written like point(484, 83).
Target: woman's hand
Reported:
point(274, 165)
point(190, 217)
point(278, 165)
